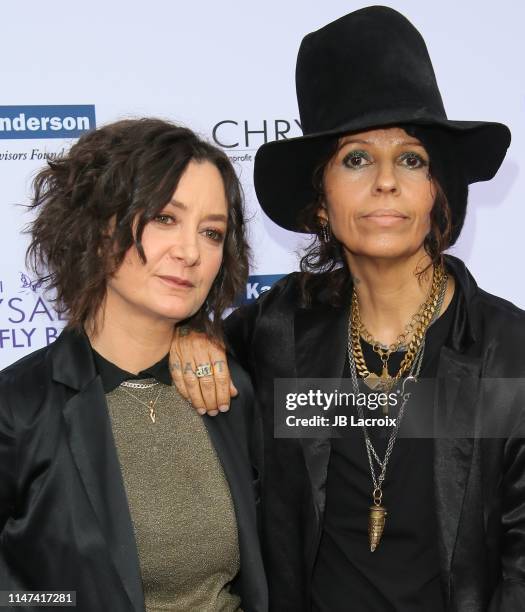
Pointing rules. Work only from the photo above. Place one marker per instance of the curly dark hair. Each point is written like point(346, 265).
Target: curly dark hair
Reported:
point(323, 264)
point(121, 176)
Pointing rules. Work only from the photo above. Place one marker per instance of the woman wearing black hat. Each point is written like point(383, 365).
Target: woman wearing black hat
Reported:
point(378, 522)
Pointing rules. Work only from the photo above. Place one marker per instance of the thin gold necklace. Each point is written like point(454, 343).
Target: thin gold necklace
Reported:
point(149, 405)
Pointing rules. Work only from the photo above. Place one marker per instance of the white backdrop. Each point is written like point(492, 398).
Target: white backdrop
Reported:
point(226, 69)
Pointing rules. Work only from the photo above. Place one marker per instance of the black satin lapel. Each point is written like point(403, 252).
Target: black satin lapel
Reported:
point(238, 471)
point(320, 352)
point(462, 333)
point(72, 359)
point(320, 341)
point(455, 414)
point(94, 452)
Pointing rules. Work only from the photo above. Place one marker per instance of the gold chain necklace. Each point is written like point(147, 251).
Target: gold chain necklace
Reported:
point(377, 513)
point(149, 405)
point(401, 340)
point(421, 318)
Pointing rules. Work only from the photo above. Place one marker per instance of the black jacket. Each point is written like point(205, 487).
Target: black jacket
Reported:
point(64, 517)
point(479, 480)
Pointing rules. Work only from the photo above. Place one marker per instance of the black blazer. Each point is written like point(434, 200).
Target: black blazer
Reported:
point(64, 517)
point(479, 480)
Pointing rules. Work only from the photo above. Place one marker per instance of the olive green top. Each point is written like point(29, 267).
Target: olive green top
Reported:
point(179, 500)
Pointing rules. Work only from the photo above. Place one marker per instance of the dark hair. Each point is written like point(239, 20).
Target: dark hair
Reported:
point(115, 179)
point(321, 258)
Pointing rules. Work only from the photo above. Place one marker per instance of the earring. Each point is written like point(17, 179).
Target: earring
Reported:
point(325, 232)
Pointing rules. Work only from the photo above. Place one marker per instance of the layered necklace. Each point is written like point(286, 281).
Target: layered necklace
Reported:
point(415, 329)
point(411, 365)
point(151, 404)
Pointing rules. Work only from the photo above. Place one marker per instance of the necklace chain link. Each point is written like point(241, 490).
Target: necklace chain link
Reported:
point(377, 512)
point(138, 385)
point(149, 405)
point(417, 326)
point(413, 375)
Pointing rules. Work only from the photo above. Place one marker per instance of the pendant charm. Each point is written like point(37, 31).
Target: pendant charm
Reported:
point(376, 525)
point(379, 383)
point(152, 413)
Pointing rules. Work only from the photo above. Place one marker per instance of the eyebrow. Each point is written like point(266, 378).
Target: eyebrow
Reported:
point(211, 217)
point(416, 143)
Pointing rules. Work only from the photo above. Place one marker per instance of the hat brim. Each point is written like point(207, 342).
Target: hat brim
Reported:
point(284, 169)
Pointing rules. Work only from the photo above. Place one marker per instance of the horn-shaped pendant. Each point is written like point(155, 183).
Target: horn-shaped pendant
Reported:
point(376, 525)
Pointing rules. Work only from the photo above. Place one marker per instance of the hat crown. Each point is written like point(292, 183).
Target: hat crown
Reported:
point(372, 62)
point(371, 69)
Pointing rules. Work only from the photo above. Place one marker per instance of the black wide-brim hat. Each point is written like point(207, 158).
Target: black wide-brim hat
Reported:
point(369, 69)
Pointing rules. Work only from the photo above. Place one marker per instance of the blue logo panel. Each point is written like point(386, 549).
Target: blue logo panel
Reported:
point(257, 284)
point(20, 122)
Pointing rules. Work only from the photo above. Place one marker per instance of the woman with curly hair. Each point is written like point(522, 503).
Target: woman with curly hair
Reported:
point(110, 485)
point(369, 519)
